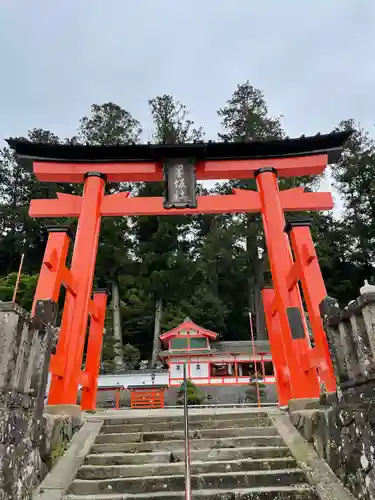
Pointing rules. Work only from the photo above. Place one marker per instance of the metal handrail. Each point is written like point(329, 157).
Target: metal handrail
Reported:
point(187, 441)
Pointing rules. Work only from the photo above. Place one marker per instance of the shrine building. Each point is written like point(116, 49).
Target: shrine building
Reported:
point(222, 369)
point(211, 362)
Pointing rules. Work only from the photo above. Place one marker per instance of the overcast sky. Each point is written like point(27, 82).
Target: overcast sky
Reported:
point(313, 60)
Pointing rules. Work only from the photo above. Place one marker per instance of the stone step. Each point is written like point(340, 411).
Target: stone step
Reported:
point(179, 418)
point(150, 484)
point(254, 452)
point(94, 472)
point(195, 444)
point(176, 426)
point(141, 437)
point(300, 492)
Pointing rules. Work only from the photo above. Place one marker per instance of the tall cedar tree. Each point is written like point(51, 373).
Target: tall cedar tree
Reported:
point(168, 271)
point(109, 124)
point(19, 233)
point(245, 118)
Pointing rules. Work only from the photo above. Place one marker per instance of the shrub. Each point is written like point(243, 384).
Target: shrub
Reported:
point(194, 395)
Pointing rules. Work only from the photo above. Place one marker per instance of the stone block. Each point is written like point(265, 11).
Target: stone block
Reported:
point(58, 432)
point(73, 411)
point(343, 433)
point(303, 404)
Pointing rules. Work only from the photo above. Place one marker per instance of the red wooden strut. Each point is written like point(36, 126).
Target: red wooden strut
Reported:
point(275, 336)
point(94, 349)
point(303, 384)
point(307, 270)
point(53, 272)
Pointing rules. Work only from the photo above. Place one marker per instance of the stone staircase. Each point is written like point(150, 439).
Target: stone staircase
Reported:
point(233, 456)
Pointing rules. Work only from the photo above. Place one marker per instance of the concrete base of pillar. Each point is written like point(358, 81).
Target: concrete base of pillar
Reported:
point(66, 410)
point(303, 404)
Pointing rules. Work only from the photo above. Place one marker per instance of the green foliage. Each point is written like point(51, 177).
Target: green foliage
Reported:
point(111, 348)
point(131, 356)
point(245, 116)
point(57, 452)
point(253, 390)
point(171, 121)
point(194, 395)
point(108, 124)
point(26, 289)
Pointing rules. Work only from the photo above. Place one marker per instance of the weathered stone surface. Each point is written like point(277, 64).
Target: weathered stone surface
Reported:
point(25, 349)
point(73, 411)
point(303, 404)
point(58, 432)
point(342, 430)
point(238, 480)
point(271, 493)
point(245, 471)
point(216, 454)
point(27, 439)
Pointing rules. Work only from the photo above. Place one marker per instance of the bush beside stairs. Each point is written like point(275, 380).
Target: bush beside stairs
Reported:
point(233, 456)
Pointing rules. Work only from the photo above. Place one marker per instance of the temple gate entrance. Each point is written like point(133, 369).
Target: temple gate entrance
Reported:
point(300, 365)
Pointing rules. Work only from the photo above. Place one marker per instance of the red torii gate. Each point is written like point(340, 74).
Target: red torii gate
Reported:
point(299, 366)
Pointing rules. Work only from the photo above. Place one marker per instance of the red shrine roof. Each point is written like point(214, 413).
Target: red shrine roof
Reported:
point(186, 326)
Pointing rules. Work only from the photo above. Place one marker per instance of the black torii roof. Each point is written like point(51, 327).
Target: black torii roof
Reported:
point(331, 144)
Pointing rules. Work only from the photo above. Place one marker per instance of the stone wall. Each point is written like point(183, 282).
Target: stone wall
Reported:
point(25, 349)
point(234, 394)
point(342, 426)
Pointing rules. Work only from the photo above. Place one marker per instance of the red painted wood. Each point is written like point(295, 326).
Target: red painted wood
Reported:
point(242, 201)
point(146, 398)
point(303, 384)
point(150, 172)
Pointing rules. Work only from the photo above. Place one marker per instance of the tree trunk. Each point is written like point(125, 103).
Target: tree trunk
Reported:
point(255, 281)
point(157, 329)
point(259, 316)
point(117, 333)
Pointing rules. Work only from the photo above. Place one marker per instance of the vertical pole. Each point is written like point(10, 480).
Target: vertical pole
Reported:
point(187, 440)
point(255, 363)
point(117, 399)
point(315, 292)
point(82, 269)
point(263, 370)
point(117, 330)
point(94, 349)
point(304, 384)
point(18, 279)
point(157, 325)
point(282, 373)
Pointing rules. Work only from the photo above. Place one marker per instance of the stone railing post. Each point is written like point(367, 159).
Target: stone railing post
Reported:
point(351, 336)
point(348, 421)
point(25, 350)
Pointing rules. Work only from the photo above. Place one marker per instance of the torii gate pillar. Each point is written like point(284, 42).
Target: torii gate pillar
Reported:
point(287, 304)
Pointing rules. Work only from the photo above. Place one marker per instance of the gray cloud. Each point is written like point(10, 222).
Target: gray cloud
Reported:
point(313, 60)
